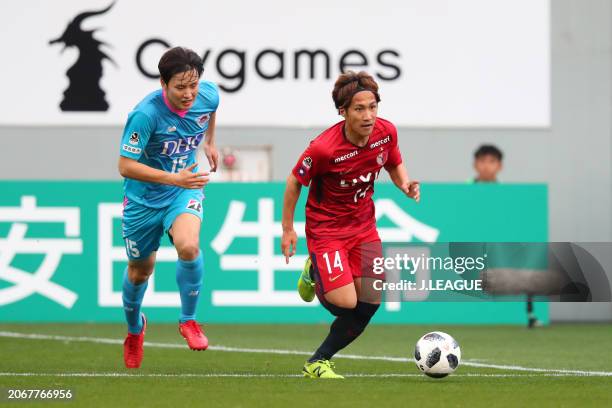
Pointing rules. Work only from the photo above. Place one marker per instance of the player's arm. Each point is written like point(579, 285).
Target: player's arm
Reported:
point(185, 178)
point(292, 194)
point(136, 134)
point(209, 146)
point(399, 176)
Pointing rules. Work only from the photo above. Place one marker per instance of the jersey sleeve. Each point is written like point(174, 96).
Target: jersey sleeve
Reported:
point(311, 164)
point(136, 135)
point(395, 156)
point(216, 96)
point(210, 92)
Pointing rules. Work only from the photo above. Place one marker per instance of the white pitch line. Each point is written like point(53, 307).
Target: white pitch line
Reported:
point(258, 375)
point(466, 363)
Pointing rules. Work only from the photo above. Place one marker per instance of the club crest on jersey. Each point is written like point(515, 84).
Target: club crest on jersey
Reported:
point(181, 145)
point(203, 119)
point(382, 157)
point(134, 138)
point(307, 162)
point(194, 205)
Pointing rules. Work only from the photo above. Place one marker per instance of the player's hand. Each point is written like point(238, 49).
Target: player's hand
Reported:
point(186, 178)
point(288, 243)
point(412, 190)
point(212, 155)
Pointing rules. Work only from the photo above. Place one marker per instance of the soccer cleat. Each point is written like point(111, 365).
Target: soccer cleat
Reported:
point(306, 287)
point(133, 349)
point(320, 369)
point(192, 332)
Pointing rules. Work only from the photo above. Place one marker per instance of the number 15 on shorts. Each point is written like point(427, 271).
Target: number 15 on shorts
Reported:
point(131, 248)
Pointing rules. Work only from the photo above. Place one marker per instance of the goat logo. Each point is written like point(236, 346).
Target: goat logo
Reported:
point(84, 92)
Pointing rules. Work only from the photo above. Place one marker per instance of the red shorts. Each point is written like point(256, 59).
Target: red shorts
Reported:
point(337, 262)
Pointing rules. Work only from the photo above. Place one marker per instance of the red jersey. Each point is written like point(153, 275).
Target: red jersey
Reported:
point(341, 177)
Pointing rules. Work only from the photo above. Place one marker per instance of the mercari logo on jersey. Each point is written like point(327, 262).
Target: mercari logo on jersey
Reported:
point(182, 145)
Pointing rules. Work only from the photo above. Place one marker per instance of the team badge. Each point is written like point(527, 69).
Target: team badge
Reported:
point(134, 138)
point(194, 205)
point(203, 119)
point(305, 166)
point(381, 159)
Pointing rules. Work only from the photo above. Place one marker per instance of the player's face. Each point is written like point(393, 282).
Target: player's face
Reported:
point(361, 114)
point(182, 89)
point(487, 167)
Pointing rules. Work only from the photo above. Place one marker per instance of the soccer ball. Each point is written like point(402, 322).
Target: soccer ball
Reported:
point(437, 354)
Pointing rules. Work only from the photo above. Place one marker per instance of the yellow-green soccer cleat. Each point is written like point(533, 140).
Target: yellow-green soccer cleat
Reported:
point(320, 369)
point(306, 287)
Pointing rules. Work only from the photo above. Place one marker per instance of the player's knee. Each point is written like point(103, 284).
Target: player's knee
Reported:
point(337, 311)
point(348, 302)
point(188, 251)
point(371, 296)
point(366, 310)
point(139, 273)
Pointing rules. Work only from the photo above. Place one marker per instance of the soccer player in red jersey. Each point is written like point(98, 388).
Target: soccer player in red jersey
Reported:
point(340, 166)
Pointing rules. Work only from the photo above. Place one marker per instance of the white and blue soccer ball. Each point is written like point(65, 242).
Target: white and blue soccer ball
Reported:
point(437, 354)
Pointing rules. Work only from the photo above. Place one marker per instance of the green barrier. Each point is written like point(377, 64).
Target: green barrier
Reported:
point(62, 256)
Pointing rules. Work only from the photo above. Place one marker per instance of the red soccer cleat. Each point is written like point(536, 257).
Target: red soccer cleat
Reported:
point(192, 332)
point(133, 347)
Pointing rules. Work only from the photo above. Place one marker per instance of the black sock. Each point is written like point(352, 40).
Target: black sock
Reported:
point(346, 328)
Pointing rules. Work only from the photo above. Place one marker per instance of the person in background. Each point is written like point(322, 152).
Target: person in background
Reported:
point(488, 163)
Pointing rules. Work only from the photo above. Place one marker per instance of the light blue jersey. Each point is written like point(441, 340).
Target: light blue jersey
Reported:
point(162, 138)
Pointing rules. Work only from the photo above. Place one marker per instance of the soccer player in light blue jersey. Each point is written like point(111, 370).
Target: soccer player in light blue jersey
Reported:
point(163, 190)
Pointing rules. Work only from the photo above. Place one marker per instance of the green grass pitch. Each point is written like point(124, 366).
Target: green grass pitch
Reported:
point(259, 365)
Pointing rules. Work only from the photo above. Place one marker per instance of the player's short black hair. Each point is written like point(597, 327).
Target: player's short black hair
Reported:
point(348, 84)
point(177, 60)
point(488, 150)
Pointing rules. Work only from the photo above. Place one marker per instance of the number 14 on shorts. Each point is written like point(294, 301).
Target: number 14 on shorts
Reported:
point(337, 270)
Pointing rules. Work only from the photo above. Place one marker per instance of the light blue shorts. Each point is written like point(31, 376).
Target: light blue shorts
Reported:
point(143, 227)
